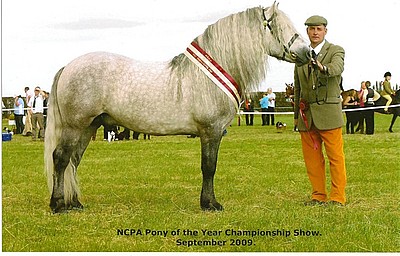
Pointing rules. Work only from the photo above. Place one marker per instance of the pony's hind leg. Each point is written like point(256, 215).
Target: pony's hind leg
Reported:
point(209, 154)
point(64, 180)
point(76, 159)
point(61, 158)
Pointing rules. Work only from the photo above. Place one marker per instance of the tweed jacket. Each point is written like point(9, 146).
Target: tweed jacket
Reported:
point(320, 90)
point(387, 89)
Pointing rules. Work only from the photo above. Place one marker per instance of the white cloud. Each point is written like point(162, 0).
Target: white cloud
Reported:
point(84, 24)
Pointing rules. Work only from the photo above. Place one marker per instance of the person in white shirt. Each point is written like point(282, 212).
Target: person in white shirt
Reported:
point(271, 106)
point(36, 106)
point(28, 121)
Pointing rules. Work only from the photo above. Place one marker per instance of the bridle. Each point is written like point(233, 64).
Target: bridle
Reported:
point(286, 47)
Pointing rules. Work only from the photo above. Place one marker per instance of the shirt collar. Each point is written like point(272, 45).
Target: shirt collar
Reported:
point(319, 47)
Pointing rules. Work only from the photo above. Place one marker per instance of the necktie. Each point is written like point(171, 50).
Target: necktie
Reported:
point(34, 101)
point(362, 98)
point(313, 55)
point(311, 65)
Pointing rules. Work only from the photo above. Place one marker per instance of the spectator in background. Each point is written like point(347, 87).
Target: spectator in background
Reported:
point(271, 107)
point(19, 113)
point(264, 108)
point(249, 107)
point(368, 96)
point(45, 103)
point(28, 121)
point(36, 104)
point(352, 118)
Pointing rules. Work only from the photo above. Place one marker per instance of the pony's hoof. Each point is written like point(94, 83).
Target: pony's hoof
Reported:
point(76, 206)
point(390, 130)
point(212, 206)
point(57, 205)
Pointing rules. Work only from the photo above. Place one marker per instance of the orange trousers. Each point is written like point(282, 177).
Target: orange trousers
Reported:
point(315, 163)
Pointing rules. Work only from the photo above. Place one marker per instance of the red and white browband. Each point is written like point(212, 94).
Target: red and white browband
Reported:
point(214, 71)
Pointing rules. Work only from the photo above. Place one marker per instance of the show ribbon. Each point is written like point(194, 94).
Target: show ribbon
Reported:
point(303, 106)
point(214, 71)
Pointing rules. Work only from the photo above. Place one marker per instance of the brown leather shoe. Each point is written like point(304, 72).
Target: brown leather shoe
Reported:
point(314, 202)
point(335, 203)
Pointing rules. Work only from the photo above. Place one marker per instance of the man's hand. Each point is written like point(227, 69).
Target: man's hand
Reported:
point(318, 64)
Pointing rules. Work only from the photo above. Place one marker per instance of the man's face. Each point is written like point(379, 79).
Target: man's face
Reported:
point(363, 86)
point(316, 34)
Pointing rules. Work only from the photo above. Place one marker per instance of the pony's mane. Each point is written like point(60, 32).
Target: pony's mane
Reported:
point(237, 43)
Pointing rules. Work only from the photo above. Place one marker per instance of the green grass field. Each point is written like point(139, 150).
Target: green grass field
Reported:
point(135, 191)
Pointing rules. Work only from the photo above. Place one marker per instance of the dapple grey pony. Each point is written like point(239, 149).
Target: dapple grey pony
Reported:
point(162, 98)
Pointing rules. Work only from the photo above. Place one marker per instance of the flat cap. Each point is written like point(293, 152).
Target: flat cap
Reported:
point(316, 20)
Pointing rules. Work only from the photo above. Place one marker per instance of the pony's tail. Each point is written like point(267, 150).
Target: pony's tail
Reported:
point(52, 139)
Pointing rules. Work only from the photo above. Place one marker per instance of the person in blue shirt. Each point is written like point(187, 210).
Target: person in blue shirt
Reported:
point(264, 108)
point(19, 114)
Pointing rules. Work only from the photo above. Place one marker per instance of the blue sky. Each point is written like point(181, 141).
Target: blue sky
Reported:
point(41, 36)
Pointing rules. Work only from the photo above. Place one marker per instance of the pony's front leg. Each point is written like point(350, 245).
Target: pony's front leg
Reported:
point(209, 155)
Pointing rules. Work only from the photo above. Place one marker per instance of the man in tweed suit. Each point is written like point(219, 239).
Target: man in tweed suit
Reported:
point(318, 114)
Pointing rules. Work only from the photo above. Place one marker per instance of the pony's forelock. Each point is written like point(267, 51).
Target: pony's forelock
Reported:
point(281, 25)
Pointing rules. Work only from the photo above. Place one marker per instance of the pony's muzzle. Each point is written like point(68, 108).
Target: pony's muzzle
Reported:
point(308, 54)
point(301, 58)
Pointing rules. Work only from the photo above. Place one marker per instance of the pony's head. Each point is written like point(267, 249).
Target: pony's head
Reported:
point(285, 42)
point(289, 91)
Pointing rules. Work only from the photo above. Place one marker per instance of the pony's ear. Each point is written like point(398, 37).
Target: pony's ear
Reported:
point(275, 6)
